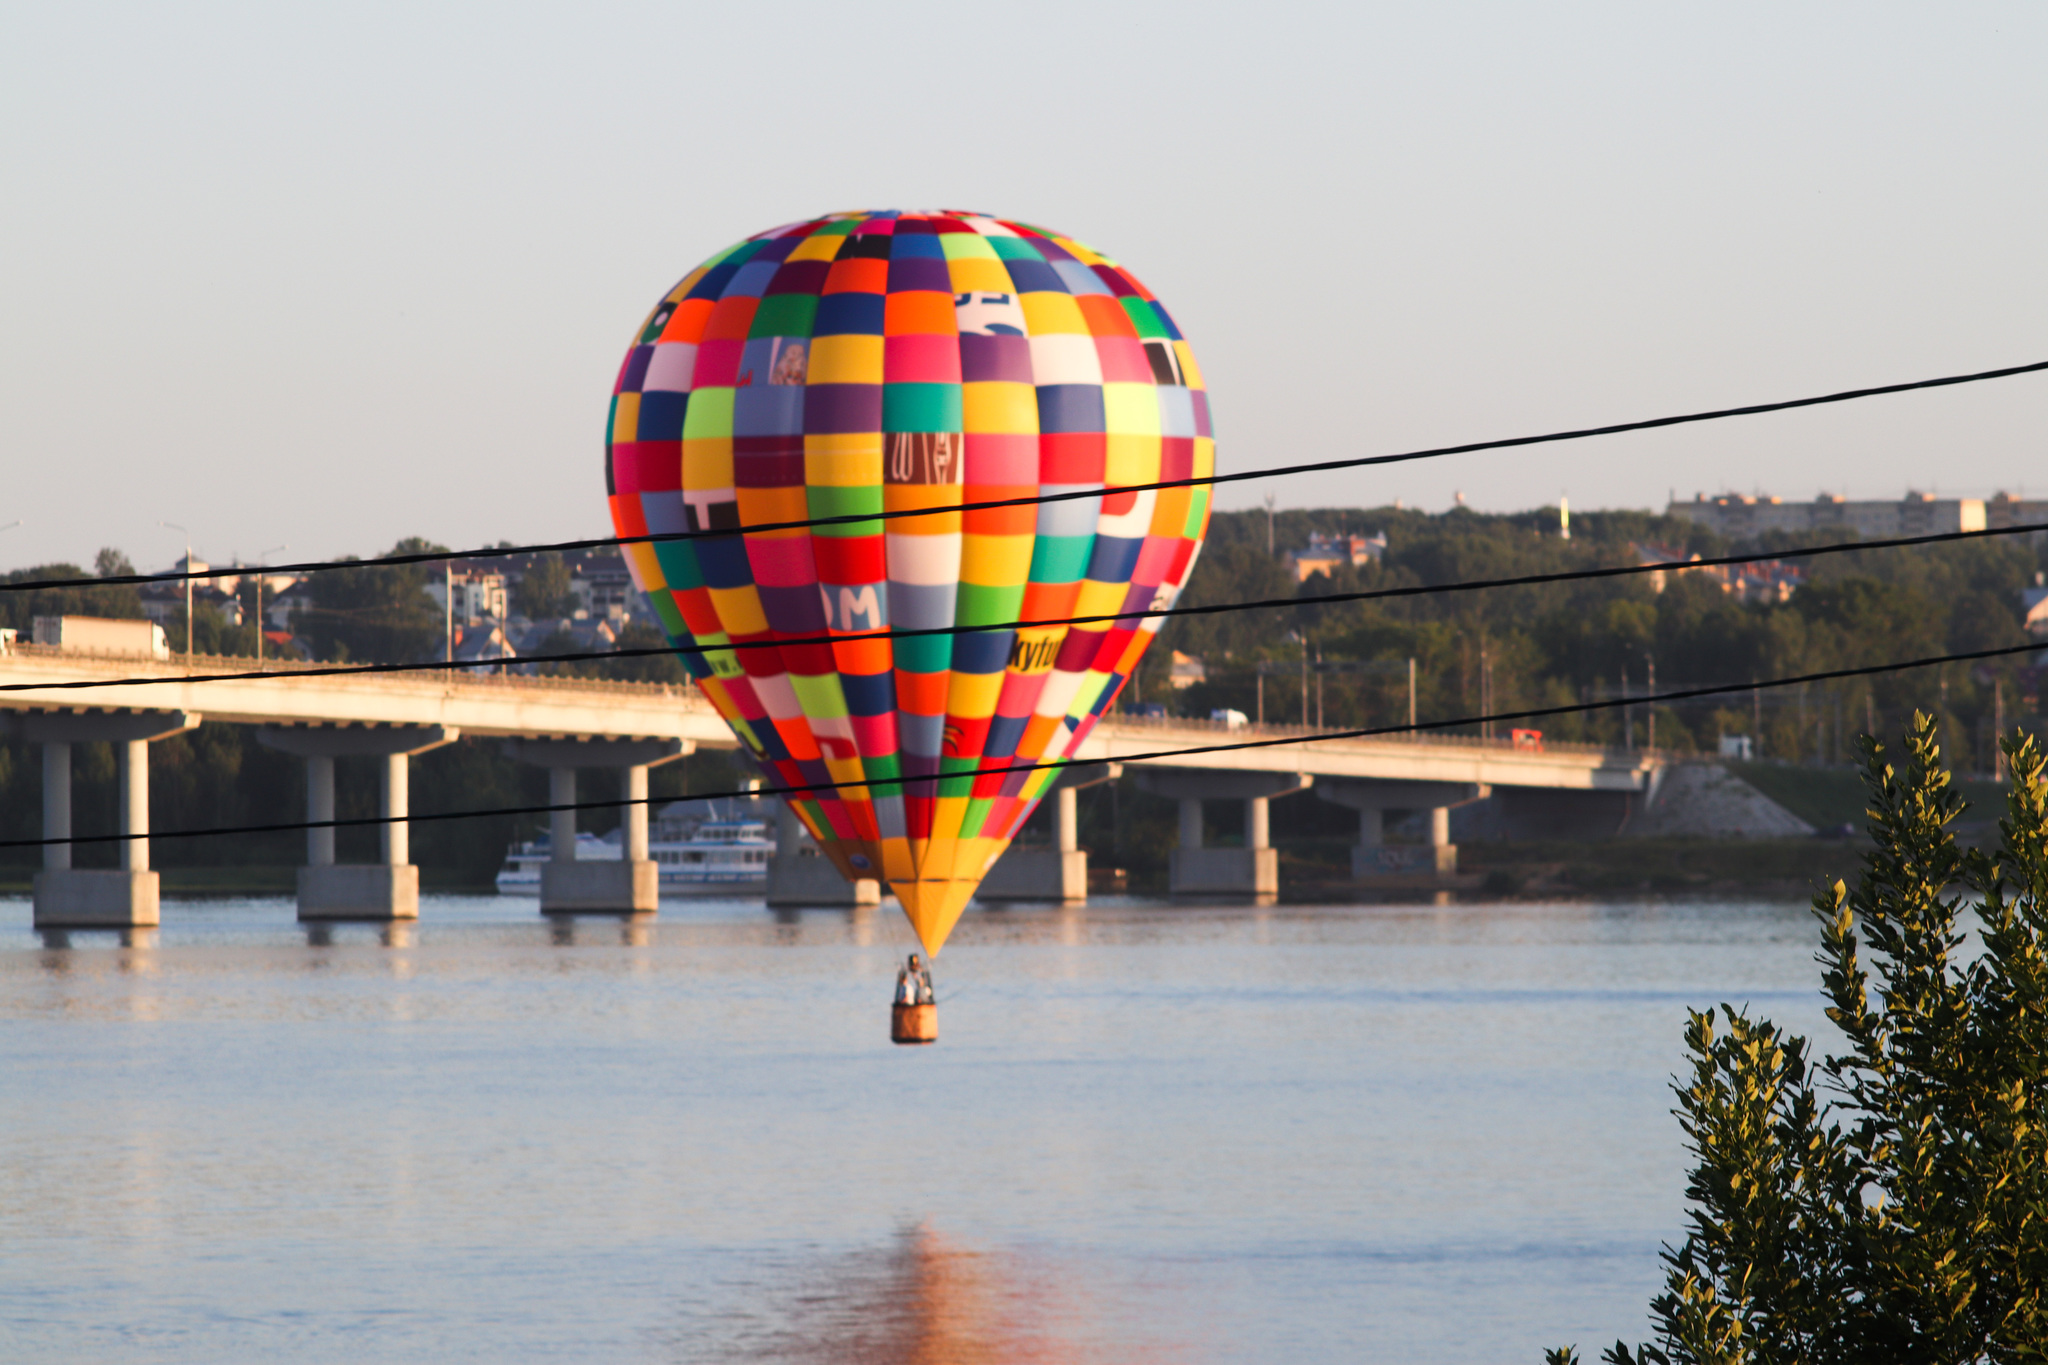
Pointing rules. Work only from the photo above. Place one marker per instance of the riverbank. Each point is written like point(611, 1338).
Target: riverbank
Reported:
point(1552, 869)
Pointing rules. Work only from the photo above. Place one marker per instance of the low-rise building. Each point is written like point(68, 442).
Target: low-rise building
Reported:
point(279, 608)
point(1326, 554)
point(576, 635)
point(479, 590)
point(162, 601)
point(1186, 670)
point(1763, 580)
point(600, 585)
point(222, 603)
point(282, 644)
point(165, 602)
point(241, 575)
point(483, 639)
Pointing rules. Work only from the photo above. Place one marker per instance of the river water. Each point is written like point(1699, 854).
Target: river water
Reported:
point(1148, 1134)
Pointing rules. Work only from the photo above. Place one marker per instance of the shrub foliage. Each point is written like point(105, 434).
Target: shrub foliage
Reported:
point(1886, 1203)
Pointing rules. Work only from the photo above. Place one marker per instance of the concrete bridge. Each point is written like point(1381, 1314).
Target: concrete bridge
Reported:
point(567, 725)
point(1409, 773)
point(563, 724)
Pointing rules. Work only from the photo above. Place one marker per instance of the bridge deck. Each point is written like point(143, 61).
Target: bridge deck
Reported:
point(522, 705)
point(475, 703)
point(1422, 758)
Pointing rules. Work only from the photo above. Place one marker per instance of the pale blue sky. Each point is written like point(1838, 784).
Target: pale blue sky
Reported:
point(329, 276)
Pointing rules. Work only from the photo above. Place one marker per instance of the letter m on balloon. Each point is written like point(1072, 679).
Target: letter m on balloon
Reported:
point(859, 608)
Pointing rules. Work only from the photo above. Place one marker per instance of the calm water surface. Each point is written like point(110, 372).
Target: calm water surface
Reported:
point(1406, 1134)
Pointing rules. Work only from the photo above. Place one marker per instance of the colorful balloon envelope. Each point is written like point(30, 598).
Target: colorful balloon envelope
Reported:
point(869, 363)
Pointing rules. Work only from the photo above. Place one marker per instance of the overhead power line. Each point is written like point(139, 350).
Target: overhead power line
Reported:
point(1261, 604)
point(854, 518)
point(1366, 732)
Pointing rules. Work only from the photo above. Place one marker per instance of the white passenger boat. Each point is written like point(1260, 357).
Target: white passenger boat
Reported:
point(702, 848)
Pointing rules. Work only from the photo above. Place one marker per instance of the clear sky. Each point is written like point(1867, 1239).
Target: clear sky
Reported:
point(329, 275)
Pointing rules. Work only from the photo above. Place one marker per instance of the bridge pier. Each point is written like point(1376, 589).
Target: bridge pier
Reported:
point(569, 886)
point(388, 889)
point(127, 897)
point(1251, 871)
point(1059, 873)
point(800, 876)
point(1375, 859)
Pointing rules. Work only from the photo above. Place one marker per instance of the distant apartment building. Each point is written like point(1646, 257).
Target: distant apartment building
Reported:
point(1741, 516)
point(1326, 554)
point(1186, 670)
point(602, 584)
point(2003, 509)
point(1765, 580)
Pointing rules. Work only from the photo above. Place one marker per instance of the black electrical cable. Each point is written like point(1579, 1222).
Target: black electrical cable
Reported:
point(1261, 604)
point(1369, 732)
point(852, 518)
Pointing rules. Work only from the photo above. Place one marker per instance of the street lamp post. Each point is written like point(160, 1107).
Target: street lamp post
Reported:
point(1650, 709)
point(1485, 692)
point(1319, 687)
point(1302, 640)
point(1411, 696)
point(188, 583)
point(259, 597)
point(1628, 715)
point(448, 609)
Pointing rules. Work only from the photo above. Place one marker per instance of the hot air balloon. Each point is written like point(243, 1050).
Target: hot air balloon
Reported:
point(876, 362)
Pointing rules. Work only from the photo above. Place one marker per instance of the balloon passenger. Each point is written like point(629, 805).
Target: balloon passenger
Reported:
point(914, 983)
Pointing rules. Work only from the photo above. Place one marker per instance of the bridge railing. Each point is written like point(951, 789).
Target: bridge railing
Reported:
point(178, 661)
point(1274, 731)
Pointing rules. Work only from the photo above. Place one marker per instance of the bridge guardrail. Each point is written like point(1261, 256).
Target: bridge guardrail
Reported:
point(1271, 731)
point(143, 665)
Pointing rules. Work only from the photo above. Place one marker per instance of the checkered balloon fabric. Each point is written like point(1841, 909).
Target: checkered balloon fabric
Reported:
point(870, 362)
